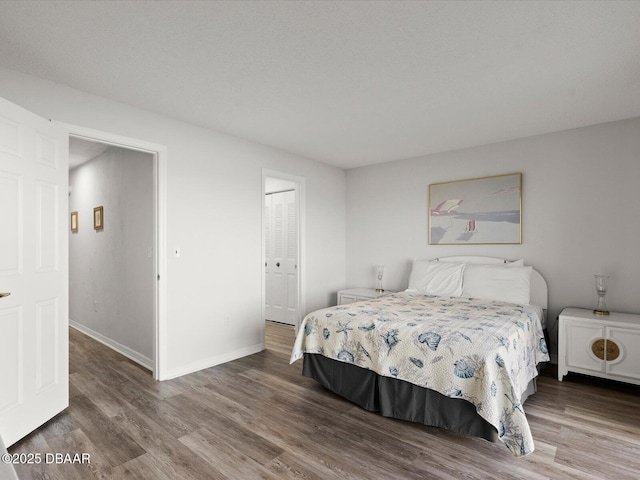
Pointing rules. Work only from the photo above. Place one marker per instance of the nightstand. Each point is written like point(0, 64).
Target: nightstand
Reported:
point(351, 295)
point(605, 346)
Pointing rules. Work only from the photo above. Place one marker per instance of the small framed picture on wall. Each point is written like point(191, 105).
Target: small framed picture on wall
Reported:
point(98, 218)
point(74, 222)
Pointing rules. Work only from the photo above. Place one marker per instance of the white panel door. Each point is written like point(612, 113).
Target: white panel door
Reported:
point(275, 281)
point(34, 165)
point(269, 265)
point(290, 260)
point(281, 247)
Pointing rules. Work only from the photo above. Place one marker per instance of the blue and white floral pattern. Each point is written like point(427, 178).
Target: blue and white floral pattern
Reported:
point(483, 351)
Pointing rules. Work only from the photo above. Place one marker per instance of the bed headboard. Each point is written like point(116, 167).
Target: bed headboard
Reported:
point(539, 292)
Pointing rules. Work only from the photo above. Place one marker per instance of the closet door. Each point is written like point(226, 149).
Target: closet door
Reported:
point(273, 250)
point(291, 257)
point(281, 257)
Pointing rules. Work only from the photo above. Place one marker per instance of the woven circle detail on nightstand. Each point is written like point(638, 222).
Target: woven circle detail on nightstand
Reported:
point(605, 349)
point(613, 351)
point(598, 348)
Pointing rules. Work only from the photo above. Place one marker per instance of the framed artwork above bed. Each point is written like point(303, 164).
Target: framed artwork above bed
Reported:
point(485, 210)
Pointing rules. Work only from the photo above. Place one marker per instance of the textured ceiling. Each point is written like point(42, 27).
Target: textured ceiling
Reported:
point(346, 83)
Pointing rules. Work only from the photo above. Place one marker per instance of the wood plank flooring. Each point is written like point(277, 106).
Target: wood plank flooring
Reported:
point(258, 417)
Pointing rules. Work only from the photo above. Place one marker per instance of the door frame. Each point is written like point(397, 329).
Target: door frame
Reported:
point(159, 153)
point(300, 189)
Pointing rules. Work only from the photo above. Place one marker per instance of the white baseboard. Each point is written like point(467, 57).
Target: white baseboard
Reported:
point(213, 361)
point(131, 354)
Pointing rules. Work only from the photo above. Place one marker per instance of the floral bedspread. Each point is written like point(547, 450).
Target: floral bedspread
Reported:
point(483, 351)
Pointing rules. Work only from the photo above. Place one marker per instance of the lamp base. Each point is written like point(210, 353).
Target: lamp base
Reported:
point(601, 312)
point(379, 290)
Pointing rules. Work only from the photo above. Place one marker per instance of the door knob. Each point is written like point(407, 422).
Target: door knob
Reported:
point(2, 295)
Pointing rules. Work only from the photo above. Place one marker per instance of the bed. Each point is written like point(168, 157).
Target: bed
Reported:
point(459, 349)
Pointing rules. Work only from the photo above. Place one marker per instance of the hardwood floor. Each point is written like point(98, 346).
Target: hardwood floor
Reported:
point(258, 417)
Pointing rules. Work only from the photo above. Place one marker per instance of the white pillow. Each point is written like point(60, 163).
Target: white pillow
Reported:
point(497, 282)
point(436, 278)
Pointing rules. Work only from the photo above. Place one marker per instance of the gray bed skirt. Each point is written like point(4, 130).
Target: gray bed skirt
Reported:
point(396, 398)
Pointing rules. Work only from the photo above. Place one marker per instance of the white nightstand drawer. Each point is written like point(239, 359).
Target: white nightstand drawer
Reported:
point(580, 347)
point(344, 298)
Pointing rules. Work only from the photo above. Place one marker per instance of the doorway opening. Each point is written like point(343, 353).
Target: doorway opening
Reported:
point(145, 253)
point(111, 266)
point(283, 295)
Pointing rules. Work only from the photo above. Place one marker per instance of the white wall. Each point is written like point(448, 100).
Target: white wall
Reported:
point(580, 212)
point(214, 211)
point(111, 271)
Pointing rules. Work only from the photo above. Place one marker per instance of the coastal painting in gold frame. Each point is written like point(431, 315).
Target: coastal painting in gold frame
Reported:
point(485, 210)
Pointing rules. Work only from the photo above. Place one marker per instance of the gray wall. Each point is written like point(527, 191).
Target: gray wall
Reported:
point(214, 214)
point(580, 212)
point(111, 271)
